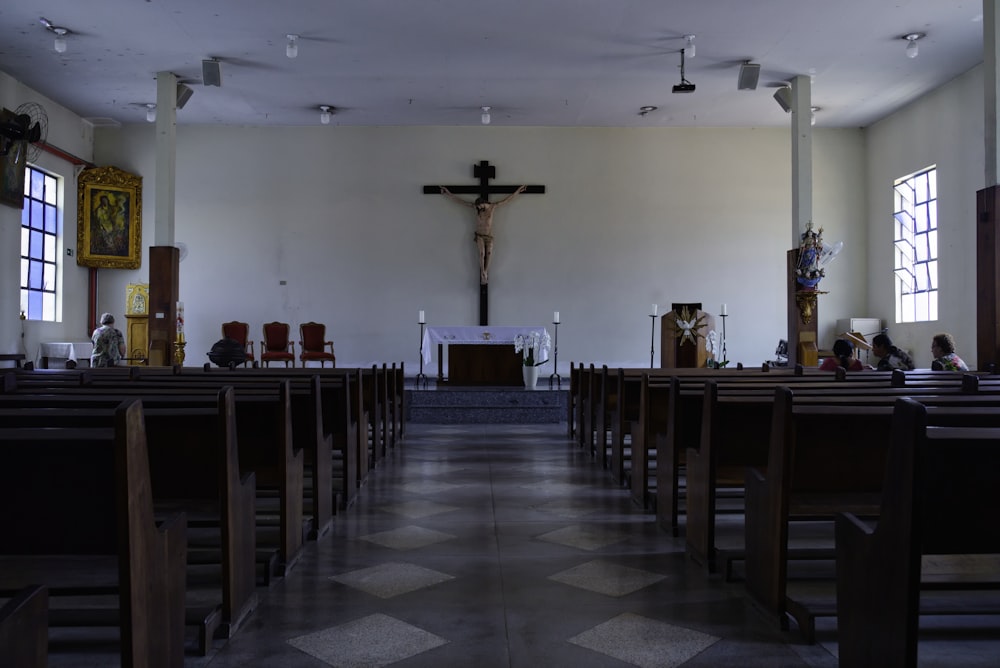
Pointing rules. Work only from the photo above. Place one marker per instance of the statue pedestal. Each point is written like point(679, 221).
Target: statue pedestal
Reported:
point(803, 312)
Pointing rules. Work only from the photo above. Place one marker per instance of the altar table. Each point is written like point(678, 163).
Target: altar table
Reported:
point(479, 355)
point(74, 351)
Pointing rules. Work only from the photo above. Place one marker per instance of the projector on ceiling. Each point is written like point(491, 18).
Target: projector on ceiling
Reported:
point(685, 87)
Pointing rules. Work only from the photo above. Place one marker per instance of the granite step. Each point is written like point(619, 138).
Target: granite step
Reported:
point(487, 405)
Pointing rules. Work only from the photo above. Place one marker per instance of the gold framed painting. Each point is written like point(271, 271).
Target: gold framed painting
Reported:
point(14, 159)
point(109, 219)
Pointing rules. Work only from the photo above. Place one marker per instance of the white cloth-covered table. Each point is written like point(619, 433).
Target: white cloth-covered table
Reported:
point(76, 351)
point(480, 335)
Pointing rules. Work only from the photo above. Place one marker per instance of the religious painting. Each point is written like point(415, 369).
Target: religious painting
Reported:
point(109, 219)
point(14, 158)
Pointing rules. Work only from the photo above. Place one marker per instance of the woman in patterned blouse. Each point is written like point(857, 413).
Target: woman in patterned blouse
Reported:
point(945, 359)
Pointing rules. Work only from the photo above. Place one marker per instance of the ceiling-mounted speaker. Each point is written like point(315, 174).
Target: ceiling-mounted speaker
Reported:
point(749, 74)
point(783, 96)
point(184, 94)
point(211, 72)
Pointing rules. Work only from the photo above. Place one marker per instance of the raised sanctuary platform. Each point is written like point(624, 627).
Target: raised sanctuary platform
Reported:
point(487, 405)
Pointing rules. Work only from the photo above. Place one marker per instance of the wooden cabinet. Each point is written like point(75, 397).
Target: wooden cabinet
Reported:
point(137, 338)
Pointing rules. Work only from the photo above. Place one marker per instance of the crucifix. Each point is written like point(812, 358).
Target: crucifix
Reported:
point(484, 171)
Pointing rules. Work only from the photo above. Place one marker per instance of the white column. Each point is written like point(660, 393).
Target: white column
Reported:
point(991, 83)
point(166, 156)
point(802, 182)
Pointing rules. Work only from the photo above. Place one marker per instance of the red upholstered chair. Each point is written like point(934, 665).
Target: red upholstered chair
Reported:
point(311, 338)
point(240, 332)
point(276, 346)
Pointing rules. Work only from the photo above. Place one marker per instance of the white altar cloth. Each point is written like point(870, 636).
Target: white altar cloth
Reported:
point(76, 351)
point(481, 335)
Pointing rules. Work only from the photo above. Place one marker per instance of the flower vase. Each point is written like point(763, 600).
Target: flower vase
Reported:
point(530, 377)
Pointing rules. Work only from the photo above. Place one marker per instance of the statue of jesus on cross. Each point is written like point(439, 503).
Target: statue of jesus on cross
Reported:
point(484, 226)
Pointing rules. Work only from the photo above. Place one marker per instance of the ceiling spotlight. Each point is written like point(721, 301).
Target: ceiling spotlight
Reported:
point(150, 112)
point(684, 86)
point(812, 114)
point(689, 46)
point(485, 118)
point(911, 43)
point(646, 109)
point(292, 48)
point(60, 33)
point(325, 111)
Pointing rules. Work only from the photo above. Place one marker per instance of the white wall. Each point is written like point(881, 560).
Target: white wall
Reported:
point(945, 129)
point(70, 133)
point(629, 217)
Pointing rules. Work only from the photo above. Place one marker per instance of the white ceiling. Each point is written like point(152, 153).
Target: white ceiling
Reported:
point(535, 62)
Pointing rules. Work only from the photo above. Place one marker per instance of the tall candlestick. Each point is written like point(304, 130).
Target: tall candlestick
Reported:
point(723, 312)
point(555, 317)
point(420, 318)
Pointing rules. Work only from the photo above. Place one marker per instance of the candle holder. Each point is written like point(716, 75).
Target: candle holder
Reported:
point(179, 349)
point(724, 360)
point(555, 358)
point(421, 375)
point(652, 332)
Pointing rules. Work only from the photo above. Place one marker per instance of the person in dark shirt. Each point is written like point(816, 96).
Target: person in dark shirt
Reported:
point(889, 356)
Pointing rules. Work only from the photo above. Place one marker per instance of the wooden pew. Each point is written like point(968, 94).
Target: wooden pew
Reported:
point(194, 468)
point(24, 629)
point(690, 404)
point(940, 497)
point(823, 459)
point(264, 426)
point(84, 496)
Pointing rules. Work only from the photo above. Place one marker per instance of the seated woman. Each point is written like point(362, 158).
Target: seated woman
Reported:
point(843, 351)
point(945, 358)
point(109, 344)
point(890, 357)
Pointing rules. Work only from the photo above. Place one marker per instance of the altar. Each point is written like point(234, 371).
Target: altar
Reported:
point(478, 355)
point(76, 352)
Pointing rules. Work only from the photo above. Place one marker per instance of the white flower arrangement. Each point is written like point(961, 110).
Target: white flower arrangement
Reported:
point(531, 346)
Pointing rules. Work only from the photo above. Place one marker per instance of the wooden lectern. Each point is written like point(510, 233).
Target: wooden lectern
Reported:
point(682, 337)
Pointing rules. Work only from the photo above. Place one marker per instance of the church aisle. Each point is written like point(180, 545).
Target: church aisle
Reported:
point(502, 545)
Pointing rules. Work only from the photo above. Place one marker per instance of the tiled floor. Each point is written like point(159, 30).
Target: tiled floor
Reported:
point(503, 545)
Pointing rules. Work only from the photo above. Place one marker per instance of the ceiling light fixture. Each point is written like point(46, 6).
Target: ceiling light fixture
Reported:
point(325, 111)
point(684, 86)
point(150, 112)
point(689, 46)
point(292, 48)
point(911, 43)
point(812, 114)
point(59, 31)
point(485, 118)
point(646, 109)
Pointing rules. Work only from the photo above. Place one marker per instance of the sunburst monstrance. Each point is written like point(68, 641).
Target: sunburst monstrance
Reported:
point(686, 327)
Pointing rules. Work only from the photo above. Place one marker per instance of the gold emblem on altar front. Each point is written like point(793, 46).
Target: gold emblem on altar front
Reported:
point(686, 326)
point(487, 336)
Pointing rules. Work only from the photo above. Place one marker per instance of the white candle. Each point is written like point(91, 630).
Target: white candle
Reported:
point(723, 312)
point(654, 309)
point(555, 316)
point(180, 317)
point(420, 318)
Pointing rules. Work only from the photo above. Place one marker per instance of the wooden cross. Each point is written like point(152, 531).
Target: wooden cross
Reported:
point(484, 171)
